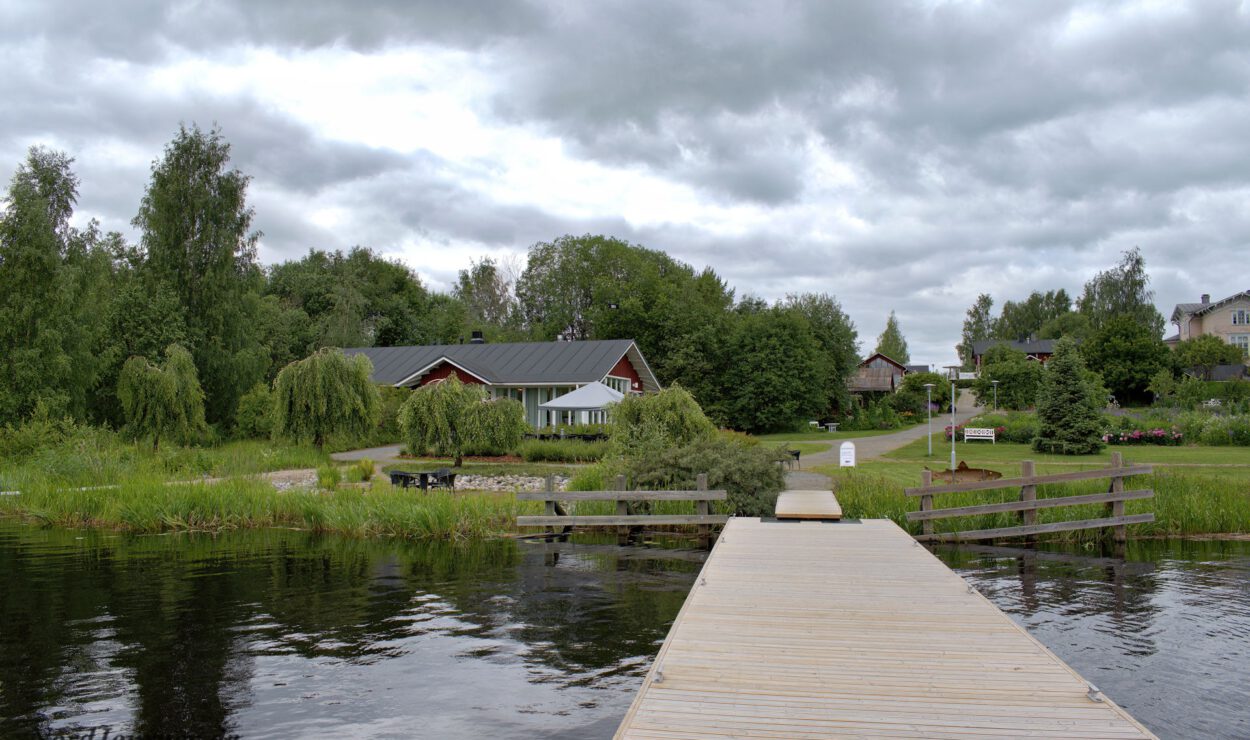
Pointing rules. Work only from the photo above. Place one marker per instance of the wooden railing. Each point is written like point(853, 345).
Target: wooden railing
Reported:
point(1028, 504)
point(624, 516)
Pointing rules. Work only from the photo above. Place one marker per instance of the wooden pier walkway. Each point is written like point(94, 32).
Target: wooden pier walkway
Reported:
point(806, 629)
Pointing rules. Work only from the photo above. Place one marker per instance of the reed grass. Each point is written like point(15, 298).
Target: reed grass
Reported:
point(1186, 502)
point(379, 510)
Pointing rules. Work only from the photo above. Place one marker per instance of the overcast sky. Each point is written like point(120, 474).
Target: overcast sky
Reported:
point(898, 156)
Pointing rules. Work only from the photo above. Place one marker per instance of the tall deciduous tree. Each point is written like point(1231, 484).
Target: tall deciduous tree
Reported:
point(162, 401)
point(1025, 319)
point(839, 343)
point(978, 326)
point(1127, 355)
point(776, 377)
point(1018, 378)
point(1124, 290)
point(324, 395)
point(891, 342)
point(197, 243)
point(48, 274)
point(487, 296)
point(1069, 420)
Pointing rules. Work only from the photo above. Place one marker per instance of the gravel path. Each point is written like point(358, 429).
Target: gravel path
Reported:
point(870, 448)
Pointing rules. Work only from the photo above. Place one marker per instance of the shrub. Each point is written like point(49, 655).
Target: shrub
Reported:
point(658, 421)
point(39, 432)
point(1154, 436)
point(750, 475)
point(562, 450)
point(1226, 430)
point(1019, 378)
point(254, 418)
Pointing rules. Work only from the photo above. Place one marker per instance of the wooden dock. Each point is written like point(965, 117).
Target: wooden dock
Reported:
point(852, 629)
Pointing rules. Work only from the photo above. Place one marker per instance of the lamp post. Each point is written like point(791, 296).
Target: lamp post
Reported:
point(952, 431)
point(995, 384)
point(928, 409)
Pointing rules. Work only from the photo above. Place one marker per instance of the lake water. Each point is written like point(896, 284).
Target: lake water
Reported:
point(284, 634)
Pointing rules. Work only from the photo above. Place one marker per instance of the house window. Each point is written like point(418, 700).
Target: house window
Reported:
point(1240, 340)
point(1241, 317)
point(620, 385)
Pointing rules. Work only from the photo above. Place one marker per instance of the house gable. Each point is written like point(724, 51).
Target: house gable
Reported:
point(445, 369)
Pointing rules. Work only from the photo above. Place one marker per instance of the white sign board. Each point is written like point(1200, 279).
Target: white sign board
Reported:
point(847, 458)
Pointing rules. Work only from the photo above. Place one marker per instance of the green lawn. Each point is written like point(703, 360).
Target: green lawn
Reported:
point(986, 454)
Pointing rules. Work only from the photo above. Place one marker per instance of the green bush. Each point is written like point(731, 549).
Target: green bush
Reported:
point(562, 450)
point(254, 418)
point(453, 419)
point(589, 478)
point(360, 471)
point(1012, 426)
point(751, 475)
point(39, 432)
point(653, 422)
point(1226, 430)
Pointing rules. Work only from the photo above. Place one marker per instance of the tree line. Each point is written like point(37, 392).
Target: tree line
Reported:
point(79, 305)
point(1115, 327)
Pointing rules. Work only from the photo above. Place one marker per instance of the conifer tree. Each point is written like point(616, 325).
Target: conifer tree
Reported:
point(1067, 410)
point(891, 342)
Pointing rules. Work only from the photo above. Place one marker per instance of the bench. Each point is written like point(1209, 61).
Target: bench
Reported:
point(441, 478)
point(975, 433)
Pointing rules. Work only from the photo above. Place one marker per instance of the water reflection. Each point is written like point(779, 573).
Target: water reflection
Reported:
point(282, 633)
point(1164, 631)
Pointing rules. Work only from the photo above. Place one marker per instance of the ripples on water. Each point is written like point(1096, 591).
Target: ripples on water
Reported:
point(282, 634)
point(1164, 632)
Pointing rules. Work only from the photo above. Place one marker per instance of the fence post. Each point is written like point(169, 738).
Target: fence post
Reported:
point(1028, 493)
point(550, 490)
point(926, 501)
point(701, 506)
point(622, 507)
point(1116, 508)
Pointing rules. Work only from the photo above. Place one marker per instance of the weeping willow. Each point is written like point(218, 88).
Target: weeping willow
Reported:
point(453, 419)
point(323, 395)
point(163, 400)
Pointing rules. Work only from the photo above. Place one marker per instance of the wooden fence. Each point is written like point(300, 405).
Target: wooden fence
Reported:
point(624, 516)
point(1028, 504)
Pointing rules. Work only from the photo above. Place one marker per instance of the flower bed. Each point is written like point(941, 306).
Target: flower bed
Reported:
point(1162, 437)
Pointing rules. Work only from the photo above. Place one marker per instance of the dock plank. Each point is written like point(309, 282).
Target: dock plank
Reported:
point(851, 629)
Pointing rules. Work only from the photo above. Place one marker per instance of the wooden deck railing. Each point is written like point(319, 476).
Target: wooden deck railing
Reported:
point(624, 516)
point(1028, 504)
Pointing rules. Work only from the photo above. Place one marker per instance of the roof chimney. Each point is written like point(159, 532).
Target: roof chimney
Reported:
point(1206, 298)
point(477, 338)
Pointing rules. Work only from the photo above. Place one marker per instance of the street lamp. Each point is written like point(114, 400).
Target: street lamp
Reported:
point(952, 431)
point(995, 384)
point(928, 409)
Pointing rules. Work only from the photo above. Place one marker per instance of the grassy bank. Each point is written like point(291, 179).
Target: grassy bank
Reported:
point(153, 507)
point(814, 436)
point(1188, 501)
point(986, 454)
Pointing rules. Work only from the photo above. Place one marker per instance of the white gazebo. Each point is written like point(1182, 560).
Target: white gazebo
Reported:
point(586, 405)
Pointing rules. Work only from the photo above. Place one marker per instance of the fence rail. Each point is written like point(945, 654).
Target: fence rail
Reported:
point(1029, 504)
point(625, 517)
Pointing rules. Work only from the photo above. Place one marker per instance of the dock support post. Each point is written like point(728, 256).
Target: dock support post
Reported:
point(622, 509)
point(926, 501)
point(549, 488)
point(701, 507)
point(1116, 508)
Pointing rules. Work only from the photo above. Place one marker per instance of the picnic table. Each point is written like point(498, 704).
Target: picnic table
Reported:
point(426, 479)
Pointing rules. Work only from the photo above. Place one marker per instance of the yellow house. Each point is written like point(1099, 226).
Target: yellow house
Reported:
point(1228, 319)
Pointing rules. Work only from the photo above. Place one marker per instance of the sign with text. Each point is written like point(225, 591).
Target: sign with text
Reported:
point(847, 458)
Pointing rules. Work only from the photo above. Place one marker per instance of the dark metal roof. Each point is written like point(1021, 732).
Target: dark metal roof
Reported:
point(919, 369)
point(1034, 347)
point(510, 363)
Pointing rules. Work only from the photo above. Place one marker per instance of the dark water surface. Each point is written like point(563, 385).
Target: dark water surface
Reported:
point(284, 634)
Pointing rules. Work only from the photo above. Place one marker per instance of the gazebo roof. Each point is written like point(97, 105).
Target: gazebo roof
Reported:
point(590, 397)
